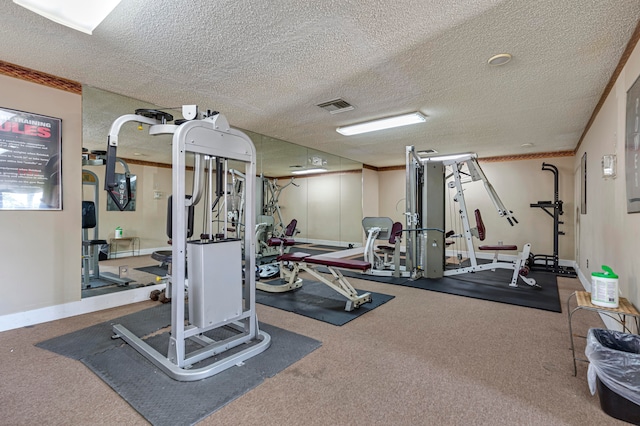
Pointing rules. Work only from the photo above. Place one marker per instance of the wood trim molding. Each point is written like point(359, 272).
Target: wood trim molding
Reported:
point(39, 77)
point(633, 41)
point(532, 156)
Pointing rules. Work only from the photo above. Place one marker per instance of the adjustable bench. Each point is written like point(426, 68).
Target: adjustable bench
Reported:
point(307, 263)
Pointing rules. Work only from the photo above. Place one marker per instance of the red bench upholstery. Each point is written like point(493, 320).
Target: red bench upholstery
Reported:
point(293, 257)
point(339, 263)
point(482, 233)
point(336, 262)
point(275, 242)
point(499, 247)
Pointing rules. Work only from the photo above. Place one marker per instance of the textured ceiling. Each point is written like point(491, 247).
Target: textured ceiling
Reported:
point(266, 65)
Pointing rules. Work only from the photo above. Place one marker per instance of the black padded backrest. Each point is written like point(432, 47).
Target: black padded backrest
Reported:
point(190, 213)
point(88, 215)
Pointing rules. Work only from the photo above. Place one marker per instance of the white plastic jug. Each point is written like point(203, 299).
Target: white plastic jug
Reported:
point(604, 288)
point(118, 233)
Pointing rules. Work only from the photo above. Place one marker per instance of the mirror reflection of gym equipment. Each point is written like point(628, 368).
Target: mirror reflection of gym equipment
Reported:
point(270, 223)
point(92, 245)
point(221, 297)
point(426, 182)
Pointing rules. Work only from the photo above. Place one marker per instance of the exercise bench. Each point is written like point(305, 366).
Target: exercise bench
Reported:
point(299, 261)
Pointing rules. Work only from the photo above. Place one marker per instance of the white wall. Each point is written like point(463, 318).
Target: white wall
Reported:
point(41, 250)
point(518, 184)
point(607, 233)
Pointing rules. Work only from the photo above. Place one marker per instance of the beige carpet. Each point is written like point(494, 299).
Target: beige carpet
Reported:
point(424, 358)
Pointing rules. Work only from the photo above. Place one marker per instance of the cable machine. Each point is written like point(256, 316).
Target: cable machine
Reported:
point(426, 217)
point(221, 301)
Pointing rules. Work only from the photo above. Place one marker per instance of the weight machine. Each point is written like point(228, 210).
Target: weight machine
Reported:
point(269, 222)
point(384, 259)
point(221, 302)
point(426, 219)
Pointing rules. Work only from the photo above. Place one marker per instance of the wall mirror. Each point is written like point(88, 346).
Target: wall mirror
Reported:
point(327, 204)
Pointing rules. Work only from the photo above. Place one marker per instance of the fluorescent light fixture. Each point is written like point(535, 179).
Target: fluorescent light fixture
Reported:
point(81, 15)
point(308, 171)
point(450, 157)
point(383, 123)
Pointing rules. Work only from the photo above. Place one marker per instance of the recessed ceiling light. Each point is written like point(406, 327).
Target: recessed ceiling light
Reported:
point(526, 145)
point(499, 59)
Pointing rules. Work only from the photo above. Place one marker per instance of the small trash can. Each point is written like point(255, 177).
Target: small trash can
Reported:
point(614, 370)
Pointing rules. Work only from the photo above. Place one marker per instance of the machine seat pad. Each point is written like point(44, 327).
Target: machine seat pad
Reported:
point(163, 256)
point(94, 242)
point(293, 257)
point(275, 242)
point(499, 247)
point(386, 249)
point(339, 263)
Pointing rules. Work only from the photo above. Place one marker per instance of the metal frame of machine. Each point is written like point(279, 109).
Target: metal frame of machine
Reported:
point(217, 296)
point(426, 181)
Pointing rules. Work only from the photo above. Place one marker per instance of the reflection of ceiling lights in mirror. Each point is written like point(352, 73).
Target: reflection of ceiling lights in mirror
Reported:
point(308, 171)
point(381, 124)
point(81, 15)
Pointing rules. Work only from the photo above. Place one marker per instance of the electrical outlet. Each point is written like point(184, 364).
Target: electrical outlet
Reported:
point(587, 263)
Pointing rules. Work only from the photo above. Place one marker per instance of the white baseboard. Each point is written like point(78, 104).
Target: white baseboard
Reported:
point(84, 306)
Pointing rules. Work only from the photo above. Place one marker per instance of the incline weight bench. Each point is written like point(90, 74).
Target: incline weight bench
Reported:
point(307, 263)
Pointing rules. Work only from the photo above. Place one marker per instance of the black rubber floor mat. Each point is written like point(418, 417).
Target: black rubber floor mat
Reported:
point(97, 338)
point(485, 285)
point(157, 397)
point(155, 270)
point(164, 401)
point(318, 301)
point(494, 286)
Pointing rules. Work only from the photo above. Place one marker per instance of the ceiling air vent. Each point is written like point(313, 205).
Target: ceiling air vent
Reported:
point(336, 106)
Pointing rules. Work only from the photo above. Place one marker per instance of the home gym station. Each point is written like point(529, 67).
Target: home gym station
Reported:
point(220, 296)
point(427, 178)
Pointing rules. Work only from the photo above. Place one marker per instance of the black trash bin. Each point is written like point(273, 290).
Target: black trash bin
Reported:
point(614, 370)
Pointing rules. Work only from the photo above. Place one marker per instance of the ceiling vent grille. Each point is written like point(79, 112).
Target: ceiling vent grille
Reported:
point(336, 106)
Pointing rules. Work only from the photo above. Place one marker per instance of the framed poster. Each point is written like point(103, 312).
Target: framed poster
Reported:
point(30, 161)
point(632, 148)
